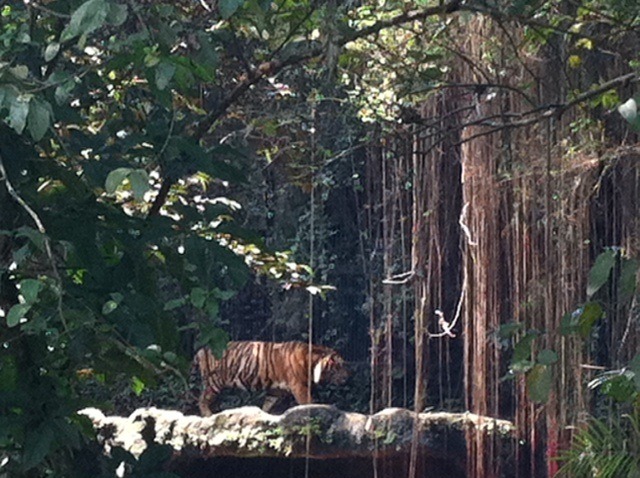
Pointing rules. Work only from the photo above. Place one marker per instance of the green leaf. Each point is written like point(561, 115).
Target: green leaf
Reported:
point(88, 17)
point(215, 338)
point(621, 388)
point(20, 72)
point(627, 284)
point(34, 236)
point(198, 297)
point(174, 303)
point(539, 383)
point(29, 289)
point(51, 51)
point(139, 180)
point(63, 91)
point(109, 306)
point(137, 385)
point(36, 446)
point(115, 179)
point(522, 350)
point(591, 313)
point(569, 322)
point(16, 314)
point(521, 366)
point(223, 294)
point(547, 357)
point(599, 273)
point(18, 113)
point(117, 14)
point(506, 331)
point(634, 366)
point(212, 307)
point(229, 7)
point(8, 373)
point(8, 94)
point(39, 118)
point(164, 73)
point(629, 111)
point(170, 357)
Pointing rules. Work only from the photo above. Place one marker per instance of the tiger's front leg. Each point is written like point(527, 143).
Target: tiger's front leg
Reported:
point(301, 393)
point(207, 397)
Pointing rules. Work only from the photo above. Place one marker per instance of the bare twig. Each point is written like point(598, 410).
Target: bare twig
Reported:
point(47, 243)
point(464, 227)
point(37, 6)
point(401, 278)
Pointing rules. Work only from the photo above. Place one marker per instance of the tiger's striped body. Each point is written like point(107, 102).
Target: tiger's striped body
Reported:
point(267, 366)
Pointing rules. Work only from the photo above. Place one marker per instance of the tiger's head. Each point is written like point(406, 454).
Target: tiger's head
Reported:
point(330, 369)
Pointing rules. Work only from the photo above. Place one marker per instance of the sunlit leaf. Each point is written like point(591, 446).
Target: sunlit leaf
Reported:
point(16, 314)
point(629, 111)
point(585, 43)
point(137, 385)
point(51, 51)
point(164, 73)
point(115, 179)
point(139, 180)
point(29, 289)
point(575, 61)
point(109, 306)
point(21, 72)
point(18, 113)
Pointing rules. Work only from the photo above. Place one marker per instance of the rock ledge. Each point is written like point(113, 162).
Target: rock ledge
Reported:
point(328, 433)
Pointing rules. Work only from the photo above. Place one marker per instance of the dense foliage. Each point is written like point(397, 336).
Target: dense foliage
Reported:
point(128, 131)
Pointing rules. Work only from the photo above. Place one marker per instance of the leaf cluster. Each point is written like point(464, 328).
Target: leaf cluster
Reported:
point(609, 269)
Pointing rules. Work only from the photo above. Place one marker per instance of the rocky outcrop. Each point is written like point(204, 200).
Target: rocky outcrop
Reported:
point(319, 432)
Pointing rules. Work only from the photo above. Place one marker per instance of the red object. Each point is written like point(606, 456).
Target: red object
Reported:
point(552, 463)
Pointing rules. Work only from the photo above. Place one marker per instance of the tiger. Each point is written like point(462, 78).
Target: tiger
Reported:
point(271, 366)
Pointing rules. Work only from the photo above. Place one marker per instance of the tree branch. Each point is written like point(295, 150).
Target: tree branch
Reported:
point(47, 244)
point(274, 66)
point(407, 17)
